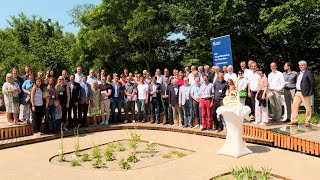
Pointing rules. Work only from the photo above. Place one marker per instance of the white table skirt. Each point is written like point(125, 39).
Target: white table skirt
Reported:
point(233, 117)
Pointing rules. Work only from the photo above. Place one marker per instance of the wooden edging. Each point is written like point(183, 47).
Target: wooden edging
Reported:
point(128, 127)
point(283, 141)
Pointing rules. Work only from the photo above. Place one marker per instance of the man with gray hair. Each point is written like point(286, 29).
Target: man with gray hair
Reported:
point(305, 87)
point(230, 75)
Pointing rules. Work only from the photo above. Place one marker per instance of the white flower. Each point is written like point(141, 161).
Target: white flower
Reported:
point(60, 151)
point(73, 156)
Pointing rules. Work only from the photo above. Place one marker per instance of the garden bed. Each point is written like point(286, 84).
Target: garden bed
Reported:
point(120, 155)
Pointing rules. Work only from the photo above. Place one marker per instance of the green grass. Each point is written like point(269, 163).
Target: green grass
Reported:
point(85, 157)
point(75, 162)
point(174, 152)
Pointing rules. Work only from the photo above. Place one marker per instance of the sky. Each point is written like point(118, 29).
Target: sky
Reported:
point(56, 10)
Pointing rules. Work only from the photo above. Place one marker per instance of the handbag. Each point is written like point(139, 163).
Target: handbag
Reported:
point(243, 94)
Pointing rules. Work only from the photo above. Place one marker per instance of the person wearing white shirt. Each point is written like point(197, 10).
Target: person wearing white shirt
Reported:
point(276, 83)
point(159, 76)
point(230, 74)
point(243, 67)
point(143, 96)
point(242, 86)
point(191, 76)
point(253, 83)
point(91, 77)
point(78, 75)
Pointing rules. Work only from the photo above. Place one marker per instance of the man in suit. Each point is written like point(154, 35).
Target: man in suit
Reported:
point(117, 96)
point(185, 102)
point(85, 93)
point(74, 102)
point(304, 90)
point(155, 99)
point(165, 100)
point(174, 102)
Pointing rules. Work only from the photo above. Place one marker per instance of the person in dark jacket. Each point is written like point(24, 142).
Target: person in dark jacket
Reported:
point(304, 90)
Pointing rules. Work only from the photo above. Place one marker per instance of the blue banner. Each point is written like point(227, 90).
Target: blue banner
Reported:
point(221, 51)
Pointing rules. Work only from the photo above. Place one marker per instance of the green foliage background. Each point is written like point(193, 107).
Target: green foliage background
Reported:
point(134, 34)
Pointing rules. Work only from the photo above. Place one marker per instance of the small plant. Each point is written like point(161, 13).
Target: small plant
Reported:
point(97, 163)
point(151, 148)
point(237, 173)
point(75, 162)
point(167, 156)
point(76, 141)
point(61, 152)
point(264, 174)
point(108, 154)
point(96, 152)
point(124, 164)
point(119, 146)
point(132, 158)
point(179, 154)
point(135, 139)
point(85, 157)
point(249, 173)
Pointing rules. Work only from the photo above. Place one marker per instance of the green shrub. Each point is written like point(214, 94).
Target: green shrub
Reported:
point(314, 119)
point(108, 154)
point(167, 156)
point(96, 152)
point(135, 139)
point(132, 158)
point(236, 172)
point(97, 163)
point(119, 146)
point(265, 174)
point(174, 152)
point(124, 164)
point(75, 162)
point(151, 148)
point(85, 157)
point(249, 172)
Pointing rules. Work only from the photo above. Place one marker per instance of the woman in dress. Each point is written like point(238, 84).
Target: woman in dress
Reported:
point(25, 108)
point(37, 105)
point(94, 109)
point(11, 91)
point(64, 98)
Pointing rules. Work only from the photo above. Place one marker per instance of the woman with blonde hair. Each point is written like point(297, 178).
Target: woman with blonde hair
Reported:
point(94, 107)
point(64, 98)
point(11, 91)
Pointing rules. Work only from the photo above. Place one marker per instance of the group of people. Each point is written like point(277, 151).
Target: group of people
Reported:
point(182, 97)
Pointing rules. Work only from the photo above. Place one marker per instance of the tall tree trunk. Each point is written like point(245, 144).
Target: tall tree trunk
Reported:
point(148, 59)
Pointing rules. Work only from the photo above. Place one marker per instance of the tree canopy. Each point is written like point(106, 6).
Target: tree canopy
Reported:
point(133, 34)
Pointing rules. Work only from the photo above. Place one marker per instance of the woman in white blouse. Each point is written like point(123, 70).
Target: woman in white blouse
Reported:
point(242, 86)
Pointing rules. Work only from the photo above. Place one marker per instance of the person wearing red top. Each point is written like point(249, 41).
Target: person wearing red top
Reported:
point(180, 79)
